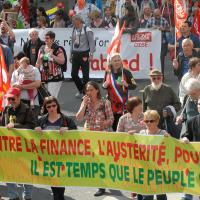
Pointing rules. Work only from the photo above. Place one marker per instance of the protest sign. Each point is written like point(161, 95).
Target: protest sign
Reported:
point(143, 164)
point(140, 51)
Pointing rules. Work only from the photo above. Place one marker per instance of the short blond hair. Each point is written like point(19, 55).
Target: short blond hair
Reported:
point(152, 113)
point(24, 59)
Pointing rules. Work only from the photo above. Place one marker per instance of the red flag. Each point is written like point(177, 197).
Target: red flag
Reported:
point(4, 79)
point(115, 44)
point(81, 4)
point(180, 15)
point(196, 24)
point(24, 15)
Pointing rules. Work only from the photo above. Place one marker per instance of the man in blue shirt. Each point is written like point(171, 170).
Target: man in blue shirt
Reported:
point(186, 33)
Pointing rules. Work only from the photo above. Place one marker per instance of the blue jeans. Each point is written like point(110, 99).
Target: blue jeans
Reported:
point(12, 191)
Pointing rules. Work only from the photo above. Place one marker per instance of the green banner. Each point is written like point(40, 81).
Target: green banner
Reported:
point(142, 164)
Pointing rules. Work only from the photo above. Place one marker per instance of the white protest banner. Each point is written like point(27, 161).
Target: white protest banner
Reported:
point(141, 51)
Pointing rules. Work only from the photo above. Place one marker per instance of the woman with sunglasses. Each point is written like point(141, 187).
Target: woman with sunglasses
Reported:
point(118, 81)
point(97, 113)
point(151, 120)
point(54, 119)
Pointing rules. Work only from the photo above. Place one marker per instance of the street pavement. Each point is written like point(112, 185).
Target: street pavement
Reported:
point(70, 105)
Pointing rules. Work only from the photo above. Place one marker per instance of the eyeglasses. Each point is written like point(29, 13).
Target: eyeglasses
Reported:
point(10, 99)
point(156, 78)
point(53, 106)
point(149, 121)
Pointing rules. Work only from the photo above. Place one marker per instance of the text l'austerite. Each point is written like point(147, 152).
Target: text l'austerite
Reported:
point(83, 147)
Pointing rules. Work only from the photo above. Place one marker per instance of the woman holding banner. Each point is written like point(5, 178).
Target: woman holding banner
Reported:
point(151, 120)
point(54, 119)
point(97, 112)
point(118, 80)
point(132, 122)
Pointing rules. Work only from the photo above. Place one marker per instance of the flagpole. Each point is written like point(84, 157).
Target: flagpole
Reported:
point(170, 23)
point(123, 88)
point(175, 43)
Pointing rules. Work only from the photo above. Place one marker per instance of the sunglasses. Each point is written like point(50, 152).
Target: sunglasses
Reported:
point(156, 78)
point(11, 99)
point(149, 121)
point(53, 106)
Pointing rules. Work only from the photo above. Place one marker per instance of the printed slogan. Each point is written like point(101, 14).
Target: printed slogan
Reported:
point(142, 164)
point(140, 52)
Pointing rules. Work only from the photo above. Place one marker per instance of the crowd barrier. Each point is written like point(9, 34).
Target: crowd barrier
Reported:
point(142, 164)
point(140, 51)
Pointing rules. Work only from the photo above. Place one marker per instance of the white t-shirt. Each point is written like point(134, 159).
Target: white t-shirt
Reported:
point(24, 93)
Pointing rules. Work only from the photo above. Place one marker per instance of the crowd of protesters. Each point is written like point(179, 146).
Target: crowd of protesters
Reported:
point(37, 73)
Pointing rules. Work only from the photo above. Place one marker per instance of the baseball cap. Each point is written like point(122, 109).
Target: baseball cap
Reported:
point(13, 92)
point(155, 72)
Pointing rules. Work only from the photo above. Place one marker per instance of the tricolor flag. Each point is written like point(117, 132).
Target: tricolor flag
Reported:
point(4, 79)
point(180, 15)
point(196, 24)
point(115, 44)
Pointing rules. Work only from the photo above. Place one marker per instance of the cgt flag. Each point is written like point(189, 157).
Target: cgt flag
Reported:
point(4, 78)
point(180, 15)
point(196, 24)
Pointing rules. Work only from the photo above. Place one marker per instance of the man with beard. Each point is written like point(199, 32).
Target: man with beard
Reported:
point(158, 95)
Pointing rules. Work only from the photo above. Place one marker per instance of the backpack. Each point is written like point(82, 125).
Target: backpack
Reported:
point(63, 66)
point(55, 48)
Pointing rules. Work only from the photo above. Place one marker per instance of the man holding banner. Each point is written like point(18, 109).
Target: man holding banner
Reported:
point(17, 115)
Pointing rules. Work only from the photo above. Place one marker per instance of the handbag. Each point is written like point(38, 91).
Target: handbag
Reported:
point(42, 93)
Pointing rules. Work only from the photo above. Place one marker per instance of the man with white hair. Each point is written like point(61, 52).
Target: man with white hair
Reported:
point(194, 72)
point(189, 107)
point(190, 110)
point(185, 30)
point(32, 46)
point(158, 95)
point(180, 64)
